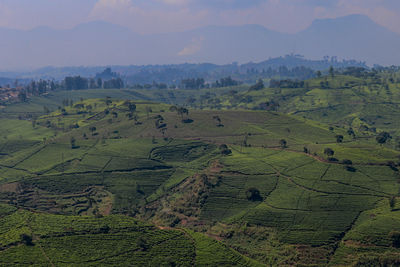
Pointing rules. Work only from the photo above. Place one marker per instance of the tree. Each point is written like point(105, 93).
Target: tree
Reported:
point(383, 137)
point(347, 162)
point(225, 150)
point(351, 132)
point(283, 143)
point(329, 152)
point(131, 107)
point(148, 111)
point(73, 143)
point(392, 202)
point(115, 83)
point(76, 83)
point(253, 194)
point(181, 111)
point(92, 129)
point(22, 96)
point(258, 86)
point(46, 110)
point(27, 239)
point(173, 109)
point(332, 72)
point(395, 237)
point(339, 138)
point(319, 74)
point(99, 83)
point(193, 83)
point(142, 244)
point(218, 121)
point(184, 111)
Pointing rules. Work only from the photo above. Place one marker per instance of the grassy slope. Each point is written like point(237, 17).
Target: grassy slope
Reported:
point(112, 240)
point(119, 168)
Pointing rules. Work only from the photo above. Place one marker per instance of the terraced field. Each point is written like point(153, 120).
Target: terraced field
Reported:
point(88, 175)
point(28, 238)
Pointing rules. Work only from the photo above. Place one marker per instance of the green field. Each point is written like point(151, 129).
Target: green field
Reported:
point(100, 182)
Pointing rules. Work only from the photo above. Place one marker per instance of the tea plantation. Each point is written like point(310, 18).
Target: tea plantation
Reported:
point(113, 181)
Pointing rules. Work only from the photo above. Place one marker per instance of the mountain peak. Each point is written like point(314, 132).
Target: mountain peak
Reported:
point(349, 22)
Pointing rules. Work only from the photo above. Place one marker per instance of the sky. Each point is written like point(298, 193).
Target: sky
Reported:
point(161, 16)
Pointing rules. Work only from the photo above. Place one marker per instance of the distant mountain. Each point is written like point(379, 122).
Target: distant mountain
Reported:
point(287, 67)
point(354, 36)
point(101, 43)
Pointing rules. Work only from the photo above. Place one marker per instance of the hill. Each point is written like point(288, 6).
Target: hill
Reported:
point(91, 43)
point(28, 238)
point(367, 102)
point(264, 183)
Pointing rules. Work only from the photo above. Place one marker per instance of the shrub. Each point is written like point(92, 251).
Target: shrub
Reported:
point(347, 162)
point(393, 166)
point(395, 237)
point(253, 194)
point(283, 143)
point(392, 202)
point(339, 138)
point(27, 239)
point(142, 244)
point(351, 169)
point(225, 150)
point(329, 152)
point(187, 121)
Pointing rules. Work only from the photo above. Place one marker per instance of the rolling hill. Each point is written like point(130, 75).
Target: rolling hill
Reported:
point(271, 186)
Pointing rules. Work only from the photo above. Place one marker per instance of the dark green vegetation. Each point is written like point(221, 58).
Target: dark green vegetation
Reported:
point(272, 186)
point(28, 238)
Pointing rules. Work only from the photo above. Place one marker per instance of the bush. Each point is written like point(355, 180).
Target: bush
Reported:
point(329, 152)
point(253, 194)
point(283, 143)
point(347, 162)
point(393, 166)
point(395, 237)
point(142, 244)
point(27, 239)
point(339, 138)
point(351, 169)
point(392, 202)
point(187, 121)
point(225, 150)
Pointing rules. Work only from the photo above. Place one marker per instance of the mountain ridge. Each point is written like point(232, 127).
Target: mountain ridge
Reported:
point(103, 43)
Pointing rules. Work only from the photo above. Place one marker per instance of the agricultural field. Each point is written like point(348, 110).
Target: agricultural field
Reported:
point(123, 179)
point(28, 238)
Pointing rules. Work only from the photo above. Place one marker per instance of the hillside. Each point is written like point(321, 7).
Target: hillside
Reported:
point(261, 182)
point(28, 238)
point(369, 103)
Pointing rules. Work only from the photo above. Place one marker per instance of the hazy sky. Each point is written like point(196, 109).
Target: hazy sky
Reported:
point(156, 16)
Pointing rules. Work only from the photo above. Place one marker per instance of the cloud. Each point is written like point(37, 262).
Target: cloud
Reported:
point(147, 20)
point(175, 2)
point(5, 15)
point(192, 48)
point(157, 16)
point(103, 5)
point(28, 14)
